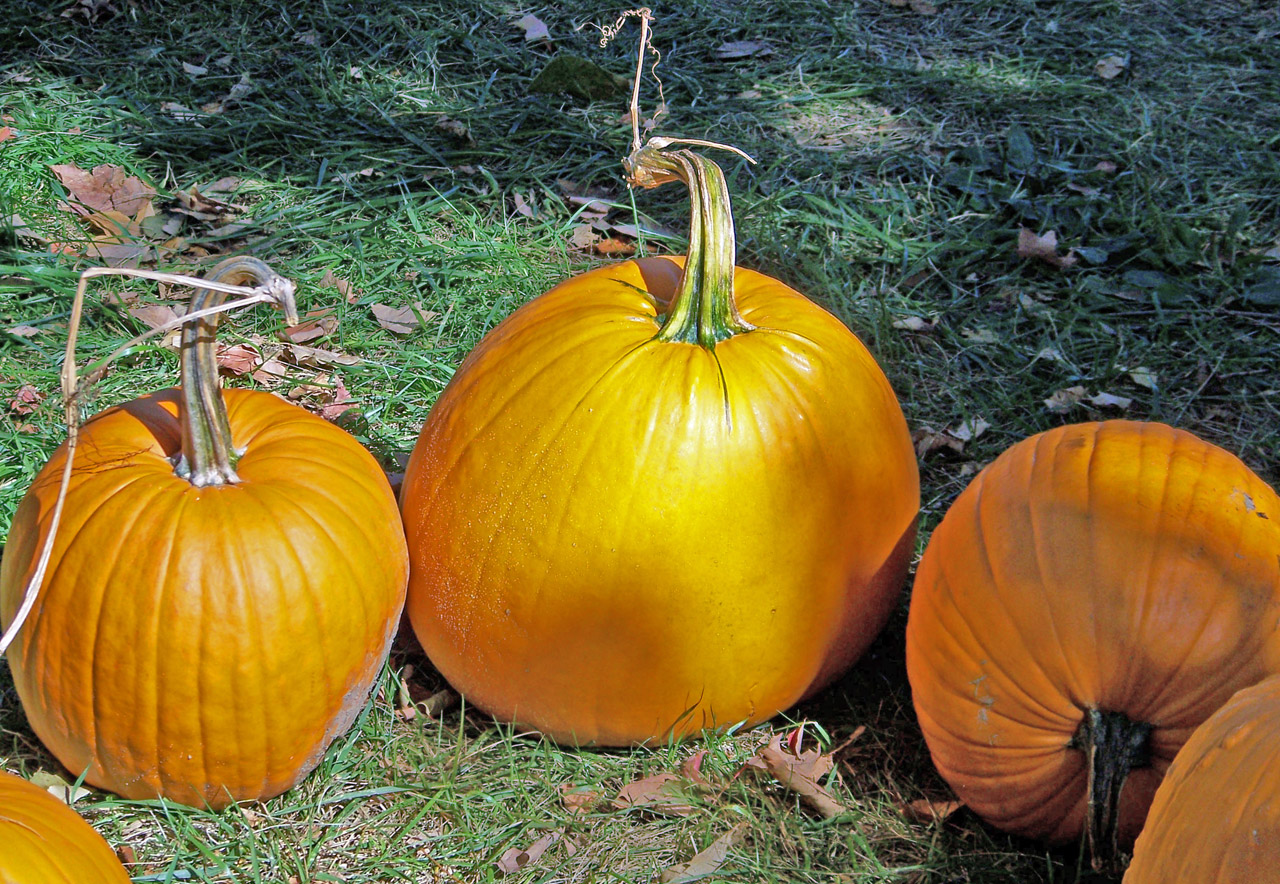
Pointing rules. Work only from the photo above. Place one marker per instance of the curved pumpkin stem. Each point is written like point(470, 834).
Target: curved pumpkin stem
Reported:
point(208, 454)
point(704, 310)
point(1113, 745)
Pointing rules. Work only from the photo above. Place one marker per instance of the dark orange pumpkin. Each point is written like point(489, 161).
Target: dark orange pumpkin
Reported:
point(1216, 816)
point(664, 496)
point(223, 589)
point(42, 841)
point(1091, 598)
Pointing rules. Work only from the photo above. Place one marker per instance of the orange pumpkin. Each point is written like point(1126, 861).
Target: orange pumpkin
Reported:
point(662, 497)
point(46, 842)
point(1216, 816)
point(222, 592)
point(1091, 598)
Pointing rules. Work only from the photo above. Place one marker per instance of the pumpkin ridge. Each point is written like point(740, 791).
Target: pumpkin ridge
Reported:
point(1000, 598)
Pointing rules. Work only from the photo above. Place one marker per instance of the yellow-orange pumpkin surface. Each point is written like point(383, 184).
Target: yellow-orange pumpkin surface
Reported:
point(1095, 594)
point(204, 642)
point(1216, 815)
point(658, 499)
point(42, 841)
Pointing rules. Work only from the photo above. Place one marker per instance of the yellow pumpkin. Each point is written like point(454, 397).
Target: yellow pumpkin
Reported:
point(662, 497)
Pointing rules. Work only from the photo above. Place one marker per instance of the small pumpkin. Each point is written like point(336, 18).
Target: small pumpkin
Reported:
point(665, 496)
point(1216, 815)
point(1094, 595)
point(46, 842)
point(222, 592)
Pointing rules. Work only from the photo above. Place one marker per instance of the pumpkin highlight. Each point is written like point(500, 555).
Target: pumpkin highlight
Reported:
point(664, 496)
point(223, 590)
point(1091, 598)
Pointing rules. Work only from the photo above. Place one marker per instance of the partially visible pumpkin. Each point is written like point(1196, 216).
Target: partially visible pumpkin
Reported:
point(222, 593)
point(664, 496)
point(42, 841)
point(1092, 597)
point(1216, 816)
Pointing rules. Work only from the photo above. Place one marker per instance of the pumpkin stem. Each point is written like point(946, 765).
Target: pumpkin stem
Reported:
point(1113, 745)
point(704, 310)
point(208, 454)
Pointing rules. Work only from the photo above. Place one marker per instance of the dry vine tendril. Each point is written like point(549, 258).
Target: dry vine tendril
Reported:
point(275, 289)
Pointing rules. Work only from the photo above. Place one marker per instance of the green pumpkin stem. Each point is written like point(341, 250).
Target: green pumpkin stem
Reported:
point(1113, 745)
point(208, 453)
point(704, 310)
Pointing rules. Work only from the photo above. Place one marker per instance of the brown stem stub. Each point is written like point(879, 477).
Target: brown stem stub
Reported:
point(1113, 745)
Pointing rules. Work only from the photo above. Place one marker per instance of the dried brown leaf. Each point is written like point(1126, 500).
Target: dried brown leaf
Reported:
point(707, 861)
point(6, 133)
point(927, 810)
point(339, 401)
point(691, 768)
point(316, 357)
point(612, 247)
point(926, 440)
point(1110, 400)
point(238, 359)
point(1044, 248)
point(105, 188)
point(522, 205)
point(344, 288)
point(663, 793)
point(533, 28)
point(400, 320)
point(578, 799)
point(799, 771)
point(743, 49)
point(517, 858)
point(23, 331)
point(1111, 66)
point(1062, 401)
point(455, 129)
point(316, 324)
point(25, 400)
point(153, 315)
point(584, 236)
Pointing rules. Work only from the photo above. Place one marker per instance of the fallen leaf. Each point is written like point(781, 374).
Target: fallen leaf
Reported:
point(25, 400)
point(339, 401)
point(316, 324)
point(517, 858)
point(707, 861)
point(23, 331)
point(522, 205)
point(270, 371)
point(691, 768)
point(343, 287)
point(126, 855)
point(194, 70)
point(927, 810)
point(970, 429)
point(915, 323)
point(64, 791)
point(400, 320)
point(1105, 166)
point(153, 315)
point(180, 112)
point(1064, 400)
point(456, 129)
point(743, 49)
point(1110, 67)
point(980, 335)
point(533, 28)
point(1109, 400)
point(6, 133)
point(800, 773)
point(105, 188)
point(663, 793)
point(613, 247)
point(1045, 248)
point(927, 439)
point(238, 359)
point(584, 236)
point(577, 799)
point(316, 357)
point(1143, 377)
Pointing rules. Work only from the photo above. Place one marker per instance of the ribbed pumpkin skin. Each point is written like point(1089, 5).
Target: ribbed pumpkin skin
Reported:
point(1120, 565)
point(205, 644)
point(42, 841)
point(1216, 816)
point(615, 539)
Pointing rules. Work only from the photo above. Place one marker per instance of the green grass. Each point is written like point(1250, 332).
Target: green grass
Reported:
point(898, 157)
